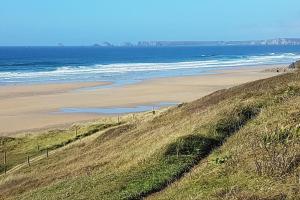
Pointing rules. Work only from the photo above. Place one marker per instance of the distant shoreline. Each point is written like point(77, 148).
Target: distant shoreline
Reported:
point(267, 42)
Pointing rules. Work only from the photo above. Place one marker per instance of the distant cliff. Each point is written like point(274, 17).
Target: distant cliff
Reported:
point(279, 41)
point(270, 42)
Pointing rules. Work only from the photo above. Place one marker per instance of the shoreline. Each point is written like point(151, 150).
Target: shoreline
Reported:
point(25, 108)
point(79, 85)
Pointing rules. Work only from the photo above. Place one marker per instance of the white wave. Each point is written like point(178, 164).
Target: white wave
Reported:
point(112, 69)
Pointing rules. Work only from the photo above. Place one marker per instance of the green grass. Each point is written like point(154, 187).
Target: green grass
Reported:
point(17, 149)
point(240, 143)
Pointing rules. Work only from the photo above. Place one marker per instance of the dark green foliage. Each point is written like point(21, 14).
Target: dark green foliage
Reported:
point(191, 145)
point(153, 176)
point(3, 140)
point(182, 155)
point(233, 122)
point(2, 167)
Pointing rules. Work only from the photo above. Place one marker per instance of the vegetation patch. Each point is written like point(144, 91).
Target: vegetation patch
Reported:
point(284, 93)
point(234, 120)
point(191, 145)
point(18, 149)
point(276, 153)
point(182, 155)
point(3, 140)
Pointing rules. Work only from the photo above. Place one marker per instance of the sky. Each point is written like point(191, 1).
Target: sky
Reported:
point(85, 22)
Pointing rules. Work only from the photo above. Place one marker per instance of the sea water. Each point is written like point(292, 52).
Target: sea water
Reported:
point(124, 65)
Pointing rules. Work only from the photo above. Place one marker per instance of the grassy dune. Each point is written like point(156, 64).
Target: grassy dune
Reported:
point(240, 143)
point(18, 149)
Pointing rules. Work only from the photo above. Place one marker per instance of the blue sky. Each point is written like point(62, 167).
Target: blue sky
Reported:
point(84, 22)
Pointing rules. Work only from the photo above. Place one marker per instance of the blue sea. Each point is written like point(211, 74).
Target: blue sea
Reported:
point(123, 65)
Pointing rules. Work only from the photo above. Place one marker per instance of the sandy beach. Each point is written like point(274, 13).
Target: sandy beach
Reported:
point(28, 107)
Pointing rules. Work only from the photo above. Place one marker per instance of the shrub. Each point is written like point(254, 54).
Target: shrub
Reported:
point(232, 122)
point(287, 92)
point(276, 153)
point(191, 145)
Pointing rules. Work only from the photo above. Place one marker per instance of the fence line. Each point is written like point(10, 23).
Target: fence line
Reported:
point(30, 160)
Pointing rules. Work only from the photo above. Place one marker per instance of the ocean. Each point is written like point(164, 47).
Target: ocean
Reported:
point(124, 65)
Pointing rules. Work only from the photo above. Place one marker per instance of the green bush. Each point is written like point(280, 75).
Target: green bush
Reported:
point(233, 122)
point(191, 145)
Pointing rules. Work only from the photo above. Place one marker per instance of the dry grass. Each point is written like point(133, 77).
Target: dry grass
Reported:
point(199, 150)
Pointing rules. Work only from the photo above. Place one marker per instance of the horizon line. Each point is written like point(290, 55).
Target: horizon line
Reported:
point(139, 43)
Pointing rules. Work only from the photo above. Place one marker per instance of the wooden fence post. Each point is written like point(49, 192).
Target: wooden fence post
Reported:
point(47, 152)
point(190, 123)
point(76, 131)
point(5, 162)
point(153, 110)
point(28, 160)
point(4, 157)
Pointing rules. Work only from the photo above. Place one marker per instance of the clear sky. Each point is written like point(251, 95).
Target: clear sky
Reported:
point(84, 22)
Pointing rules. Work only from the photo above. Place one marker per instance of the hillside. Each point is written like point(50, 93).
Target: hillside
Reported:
point(239, 143)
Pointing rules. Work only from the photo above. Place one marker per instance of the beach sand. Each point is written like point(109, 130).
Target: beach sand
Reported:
point(30, 107)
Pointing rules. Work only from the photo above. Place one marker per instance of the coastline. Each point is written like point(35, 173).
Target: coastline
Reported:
point(32, 107)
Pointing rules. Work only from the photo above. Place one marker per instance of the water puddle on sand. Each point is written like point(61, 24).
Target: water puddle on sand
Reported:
point(117, 110)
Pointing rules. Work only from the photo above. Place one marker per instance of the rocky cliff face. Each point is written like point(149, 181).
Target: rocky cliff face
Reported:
point(270, 42)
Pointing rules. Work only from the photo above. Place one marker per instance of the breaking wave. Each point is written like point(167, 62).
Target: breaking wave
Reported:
point(110, 70)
